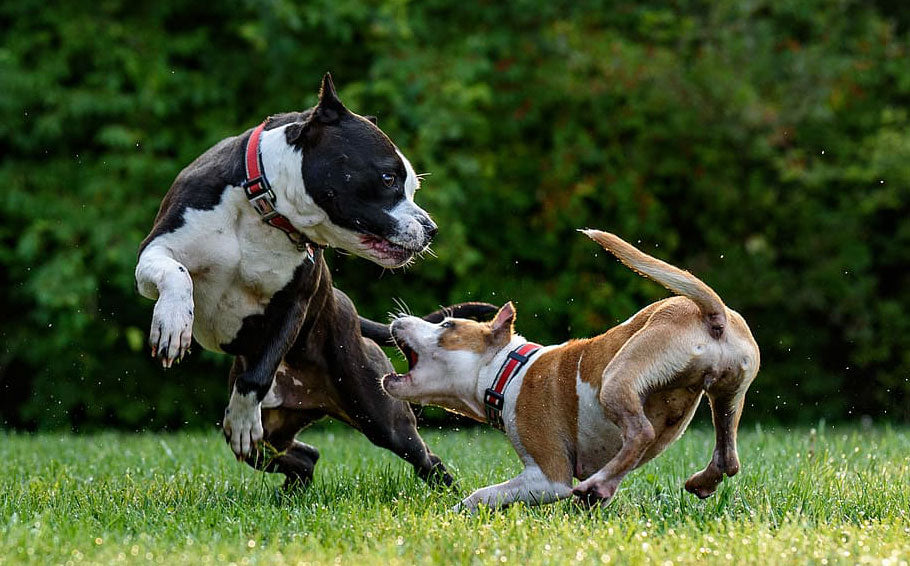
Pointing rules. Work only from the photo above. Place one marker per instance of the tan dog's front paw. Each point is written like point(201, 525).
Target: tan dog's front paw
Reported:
point(595, 491)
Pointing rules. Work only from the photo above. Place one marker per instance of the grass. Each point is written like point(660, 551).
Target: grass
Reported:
point(838, 496)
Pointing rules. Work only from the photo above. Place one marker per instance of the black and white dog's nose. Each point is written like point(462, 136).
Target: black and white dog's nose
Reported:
point(431, 229)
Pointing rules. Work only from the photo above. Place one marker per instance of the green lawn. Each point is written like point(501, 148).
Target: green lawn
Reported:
point(839, 496)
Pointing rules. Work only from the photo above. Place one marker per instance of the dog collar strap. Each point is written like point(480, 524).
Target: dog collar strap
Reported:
point(493, 399)
point(260, 194)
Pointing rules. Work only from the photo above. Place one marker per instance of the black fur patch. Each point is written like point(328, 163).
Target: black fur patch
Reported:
point(257, 332)
point(343, 174)
point(347, 164)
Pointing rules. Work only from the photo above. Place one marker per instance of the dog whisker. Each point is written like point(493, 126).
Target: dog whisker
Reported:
point(402, 306)
point(447, 311)
point(427, 251)
point(395, 315)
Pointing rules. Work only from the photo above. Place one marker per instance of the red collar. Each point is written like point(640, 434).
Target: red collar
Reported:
point(493, 398)
point(259, 193)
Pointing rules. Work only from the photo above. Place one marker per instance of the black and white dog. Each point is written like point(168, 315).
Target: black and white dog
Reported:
point(234, 259)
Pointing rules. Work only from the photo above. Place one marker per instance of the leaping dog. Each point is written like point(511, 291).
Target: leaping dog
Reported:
point(235, 260)
point(592, 409)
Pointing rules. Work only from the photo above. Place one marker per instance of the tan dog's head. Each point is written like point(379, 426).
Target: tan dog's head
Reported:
point(445, 359)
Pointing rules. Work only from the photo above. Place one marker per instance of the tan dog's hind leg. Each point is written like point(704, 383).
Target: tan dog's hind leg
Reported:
point(530, 486)
point(727, 393)
point(637, 436)
point(725, 412)
point(654, 355)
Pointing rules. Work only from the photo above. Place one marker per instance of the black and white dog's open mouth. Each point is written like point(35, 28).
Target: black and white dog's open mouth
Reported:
point(386, 249)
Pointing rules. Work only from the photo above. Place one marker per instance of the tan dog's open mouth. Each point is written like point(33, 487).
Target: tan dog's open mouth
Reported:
point(409, 354)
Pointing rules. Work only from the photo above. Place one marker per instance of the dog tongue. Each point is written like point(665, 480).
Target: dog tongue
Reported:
point(412, 359)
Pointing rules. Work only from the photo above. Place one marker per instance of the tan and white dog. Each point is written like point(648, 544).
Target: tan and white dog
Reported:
point(592, 409)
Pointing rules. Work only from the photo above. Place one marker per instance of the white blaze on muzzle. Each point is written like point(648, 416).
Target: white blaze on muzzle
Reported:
point(414, 228)
point(411, 181)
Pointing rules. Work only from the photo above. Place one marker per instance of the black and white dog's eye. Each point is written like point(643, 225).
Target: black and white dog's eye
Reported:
point(447, 324)
point(388, 179)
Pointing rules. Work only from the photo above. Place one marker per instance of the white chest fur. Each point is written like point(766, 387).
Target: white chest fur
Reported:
point(237, 264)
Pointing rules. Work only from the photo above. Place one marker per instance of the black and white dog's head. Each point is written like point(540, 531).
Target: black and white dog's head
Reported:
point(360, 184)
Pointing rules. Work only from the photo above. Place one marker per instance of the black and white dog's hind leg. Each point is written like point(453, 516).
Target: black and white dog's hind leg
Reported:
point(390, 423)
point(162, 278)
point(357, 371)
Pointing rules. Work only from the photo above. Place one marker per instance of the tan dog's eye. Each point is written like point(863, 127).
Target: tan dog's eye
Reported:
point(447, 324)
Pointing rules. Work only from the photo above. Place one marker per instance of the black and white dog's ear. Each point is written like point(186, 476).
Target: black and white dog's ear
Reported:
point(328, 110)
point(372, 120)
point(299, 133)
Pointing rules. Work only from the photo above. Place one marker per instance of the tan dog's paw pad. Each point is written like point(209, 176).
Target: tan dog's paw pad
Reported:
point(597, 492)
point(699, 489)
point(703, 484)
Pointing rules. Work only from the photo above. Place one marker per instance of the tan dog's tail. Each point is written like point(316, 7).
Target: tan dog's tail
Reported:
point(677, 280)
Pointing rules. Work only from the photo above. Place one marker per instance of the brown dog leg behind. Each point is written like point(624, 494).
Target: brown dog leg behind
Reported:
point(337, 373)
point(651, 356)
point(725, 412)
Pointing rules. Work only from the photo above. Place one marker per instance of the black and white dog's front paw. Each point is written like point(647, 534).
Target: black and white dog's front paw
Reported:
point(172, 329)
point(242, 423)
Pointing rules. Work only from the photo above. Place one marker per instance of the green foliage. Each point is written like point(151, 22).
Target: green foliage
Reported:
point(763, 145)
point(802, 497)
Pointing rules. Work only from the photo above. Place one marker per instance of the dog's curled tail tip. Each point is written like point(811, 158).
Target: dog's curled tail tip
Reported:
point(605, 239)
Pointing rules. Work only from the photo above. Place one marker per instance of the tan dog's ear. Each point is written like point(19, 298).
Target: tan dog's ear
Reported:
point(502, 324)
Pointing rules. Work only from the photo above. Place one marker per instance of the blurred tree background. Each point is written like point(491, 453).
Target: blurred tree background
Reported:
point(764, 145)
